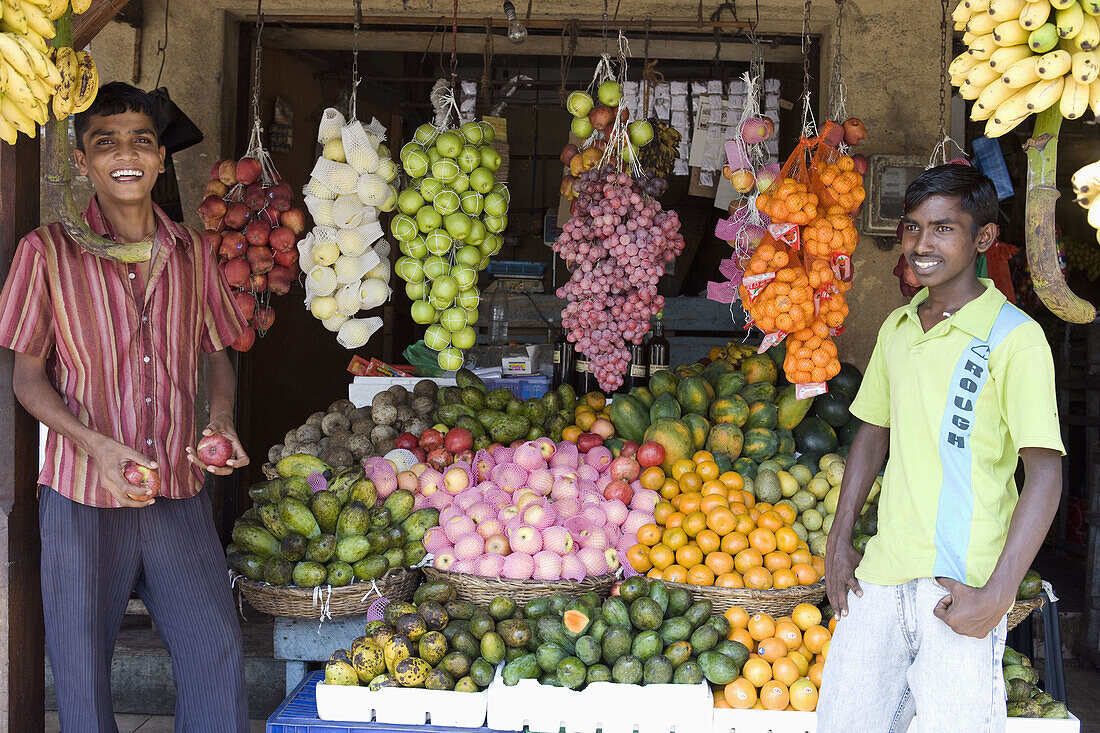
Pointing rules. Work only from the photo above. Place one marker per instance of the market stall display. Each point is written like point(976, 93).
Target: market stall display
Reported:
point(1025, 699)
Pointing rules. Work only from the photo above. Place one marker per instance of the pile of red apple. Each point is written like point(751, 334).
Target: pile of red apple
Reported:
point(251, 222)
point(439, 450)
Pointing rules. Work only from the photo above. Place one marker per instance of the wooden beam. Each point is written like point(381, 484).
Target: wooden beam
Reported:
point(88, 24)
point(22, 683)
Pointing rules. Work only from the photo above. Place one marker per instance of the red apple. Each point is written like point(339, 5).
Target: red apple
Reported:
point(246, 339)
point(601, 116)
point(288, 259)
point(237, 273)
point(588, 441)
point(406, 441)
point(246, 301)
point(516, 443)
point(651, 454)
point(258, 283)
point(834, 134)
point(211, 240)
point(440, 458)
point(619, 489)
point(458, 439)
point(281, 239)
point(214, 187)
point(467, 456)
point(233, 245)
point(214, 450)
point(861, 163)
point(854, 131)
point(255, 197)
point(237, 215)
point(264, 318)
point(294, 220)
point(143, 477)
point(431, 439)
point(260, 259)
point(248, 170)
point(227, 172)
point(269, 215)
point(212, 212)
point(568, 152)
point(257, 233)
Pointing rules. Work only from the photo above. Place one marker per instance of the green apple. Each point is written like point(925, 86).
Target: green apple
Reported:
point(468, 158)
point(438, 242)
point(446, 202)
point(468, 298)
point(464, 276)
point(482, 180)
point(641, 132)
point(445, 170)
point(403, 227)
point(428, 219)
point(449, 144)
point(491, 245)
point(434, 156)
point(453, 319)
point(628, 152)
point(435, 266)
point(439, 302)
point(610, 93)
point(461, 183)
point(430, 188)
point(490, 158)
point(416, 291)
point(471, 202)
point(477, 232)
point(437, 337)
point(468, 255)
point(581, 127)
point(472, 132)
point(483, 264)
point(503, 191)
point(449, 359)
point(409, 269)
point(409, 201)
point(488, 132)
point(422, 312)
point(496, 224)
point(464, 339)
point(495, 205)
point(416, 164)
point(415, 247)
point(457, 224)
point(425, 134)
point(445, 287)
point(408, 148)
point(471, 316)
point(579, 104)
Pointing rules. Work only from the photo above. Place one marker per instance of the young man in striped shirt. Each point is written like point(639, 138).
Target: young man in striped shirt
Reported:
point(960, 387)
point(107, 357)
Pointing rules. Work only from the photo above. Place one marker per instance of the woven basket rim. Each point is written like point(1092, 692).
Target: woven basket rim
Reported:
point(1022, 609)
point(526, 583)
point(328, 601)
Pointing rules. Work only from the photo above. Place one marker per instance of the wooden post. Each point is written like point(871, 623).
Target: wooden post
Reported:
point(22, 674)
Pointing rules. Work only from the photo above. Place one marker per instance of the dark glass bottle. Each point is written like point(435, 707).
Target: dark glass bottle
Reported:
point(658, 349)
point(637, 371)
point(582, 380)
point(564, 361)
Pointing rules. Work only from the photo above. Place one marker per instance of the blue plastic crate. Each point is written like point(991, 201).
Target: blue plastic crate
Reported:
point(516, 268)
point(522, 387)
point(298, 714)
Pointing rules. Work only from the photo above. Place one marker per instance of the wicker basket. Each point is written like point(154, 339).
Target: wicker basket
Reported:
point(775, 602)
point(325, 601)
point(481, 590)
point(1022, 609)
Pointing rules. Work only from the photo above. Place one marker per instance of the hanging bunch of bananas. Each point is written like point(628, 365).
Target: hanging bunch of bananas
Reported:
point(1086, 184)
point(658, 157)
point(34, 75)
point(1025, 56)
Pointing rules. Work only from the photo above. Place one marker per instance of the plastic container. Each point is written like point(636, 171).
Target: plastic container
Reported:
point(363, 389)
point(516, 268)
point(522, 387)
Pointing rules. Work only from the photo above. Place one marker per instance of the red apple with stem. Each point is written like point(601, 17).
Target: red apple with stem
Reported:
point(142, 477)
point(214, 450)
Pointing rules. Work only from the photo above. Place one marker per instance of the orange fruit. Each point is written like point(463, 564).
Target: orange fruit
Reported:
point(784, 578)
point(733, 480)
point(814, 675)
point(746, 559)
point(788, 514)
point(649, 534)
point(801, 555)
point(738, 508)
point(669, 488)
point(785, 670)
point(763, 506)
point(708, 470)
point(762, 539)
point(674, 537)
point(741, 636)
point(757, 672)
point(801, 662)
point(770, 519)
point(661, 556)
point(771, 649)
point(776, 560)
point(789, 634)
point(734, 542)
point(754, 514)
point(721, 704)
point(689, 556)
point(815, 638)
point(745, 523)
point(806, 652)
point(694, 523)
point(711, 502)
point(758, 578)
point(825, 649)
point(690, 481)
point(721, 520)
point(747, 498)
point(652, 478)
point(638, 557)
point(774, 695)
point(740, 694)
point(819, 566)
point(806, 615)
point(832, 625)
point(682, 466)
point(689, 501)
point(702, 455)
point(720, 562)
point(713, 486)
point(761, 626)
point(571, 433)
point(655, 574)
point(662, 511)
point(700, 575)
point(786, 539)
point(674, 574)
point(708, 541)
point(729, 580)
point(675, 519)
point(803, 695)
point(737, 616)
point(805, 574)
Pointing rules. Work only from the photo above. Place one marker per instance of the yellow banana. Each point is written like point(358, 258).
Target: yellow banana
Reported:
point(1034, 15)
point(959, 65)
point(1024, 72)
point(990, 99)
point(1010, 33)
point(1092, 7)
point(982, 75)
point(39, 89)
point(1045, 93)
point(16, 116)
point(1061, 4)
point(983, 47)
point(89, 81)
point(8, 133)
point(1002, 10)
point(12, 52)
point(981, 24)
point(1074, 100)
point(79, 6)
point(1054, 64)
point(17, 87)
point(64, 99)
point(1069, 20)
point(38, 58)
point(961, 15)
point(968, 38)
point(1011, 113)
point(1002, 58)
point(1085, 66)
point(1094, 99)
point(977, 6)
point(14, 17)
point(1088, 38)
point(1086, 180)
point(38, 21)
point(57, 8)
point(1094, 217)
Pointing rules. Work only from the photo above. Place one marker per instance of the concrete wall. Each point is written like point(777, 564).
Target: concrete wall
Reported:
point(891, 65)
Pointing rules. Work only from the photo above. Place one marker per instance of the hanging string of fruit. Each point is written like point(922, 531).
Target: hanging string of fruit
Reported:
point(619, 238)
point(453, 211)
point(251, 222)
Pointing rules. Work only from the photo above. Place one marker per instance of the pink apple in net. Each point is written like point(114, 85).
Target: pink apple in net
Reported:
point(624, 468)
point(419, 468)
point(497, 544)
point(458, 526)
point(569, 472)
point(625, 542)
point(508, 476)
point(528, 457)
point(214, 450)
point(635, 520)
point(603, 481)
point(585, 472)
point(449, 512)
point(616, 511)
point(546, 447)
point(568, 507)
point(540, 516)
point(599, 458)
point(467, 499)
point(480, 511)
point(596, 539)
point(590, 496)
point(541, 481)
point(564, 488)
point(572, 568)
point(498, 497)
point(489, 565)
point(430, 480)
point(767, 177)
point(525, 497)
point(456, 479)
point(525, 538)
point(508, 513)
point(594, 561)
point(435, 540)
point(565, 459)
point(483, 466)
point(444, 560)
point(463, 566)
point(579, 527)
point(619, 490)
point(512, 525)
point(557, 539)
point(518, 566)
point(421, 502)
point(490, 527)
point(503, 454)
point(469, 546)
point(439, 499)
point(645, 500)
point(612, 557)
point(547, 566)
point(594, 514)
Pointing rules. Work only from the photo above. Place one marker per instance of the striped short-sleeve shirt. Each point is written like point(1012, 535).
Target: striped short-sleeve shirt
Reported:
point(123, 356)
point(960, 401)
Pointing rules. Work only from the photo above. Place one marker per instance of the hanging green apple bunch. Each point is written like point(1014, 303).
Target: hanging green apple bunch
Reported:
point(451, 217)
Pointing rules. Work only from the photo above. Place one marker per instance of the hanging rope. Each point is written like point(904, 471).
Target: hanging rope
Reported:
point(569, 34)
point(715, 17)
point(943, 151)
point(256, 76)
point(454, 48)
point(162, 47)
point(352, 107)
point(603, 32)
point(487, 63)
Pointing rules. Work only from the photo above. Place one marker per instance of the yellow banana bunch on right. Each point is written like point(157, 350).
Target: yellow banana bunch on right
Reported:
point(79, 82)
point(1086, 184)
point(1025, 56)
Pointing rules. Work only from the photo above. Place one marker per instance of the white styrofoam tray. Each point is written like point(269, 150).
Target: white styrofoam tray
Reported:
point(363, 389)
point(785, 721)
point(611, 707)
point(401, 706)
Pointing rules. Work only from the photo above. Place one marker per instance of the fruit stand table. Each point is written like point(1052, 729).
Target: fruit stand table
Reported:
point(300, 641)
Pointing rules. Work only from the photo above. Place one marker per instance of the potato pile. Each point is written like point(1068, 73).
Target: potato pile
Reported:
point(345, 434)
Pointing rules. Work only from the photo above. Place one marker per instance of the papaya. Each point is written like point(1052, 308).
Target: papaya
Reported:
point(760, 444)
point(643, 395)
point(576, 619)
point(759, 392)
point(664, 406)
point(814, 435)
point(786, 445)
point(699, 427)
point(663, 382)
point(730, 383)
point(746, 467)
point(694, 395)
point(760, 368)
point(762, 415)
point(716, 369)
point(791, 410)
point(675, 437)
point(731, 410)
point(629, 416)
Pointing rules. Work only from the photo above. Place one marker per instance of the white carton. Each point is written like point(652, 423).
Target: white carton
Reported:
point(401, 706)
point(363, 389)
point(607, 706)
point(783, 721)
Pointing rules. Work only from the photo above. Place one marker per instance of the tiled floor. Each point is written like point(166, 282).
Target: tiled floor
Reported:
point(144, 724)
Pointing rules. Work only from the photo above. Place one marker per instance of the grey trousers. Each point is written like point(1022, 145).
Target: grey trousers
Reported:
point(169, 552)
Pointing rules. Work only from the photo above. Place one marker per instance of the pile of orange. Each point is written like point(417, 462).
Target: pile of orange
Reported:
point(843, 186)
point(786, 660)
point(811, 354)
point(790, 203)
point(708, 530)
point(592, 414)
point(832, 232)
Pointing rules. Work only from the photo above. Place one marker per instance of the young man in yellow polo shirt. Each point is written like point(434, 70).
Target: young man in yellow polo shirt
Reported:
point(959, 388)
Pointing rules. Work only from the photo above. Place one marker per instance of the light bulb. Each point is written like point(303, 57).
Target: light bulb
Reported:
point(516, 32)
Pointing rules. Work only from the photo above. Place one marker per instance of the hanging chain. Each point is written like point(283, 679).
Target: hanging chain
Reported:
point(603, 32)
point(809, 126)
point(838, 91)
point(569, 31)
point(487, 63)
point(454, 49)
point(258, 64)
point(162, 47)
point(355, 59)
point(945, 49)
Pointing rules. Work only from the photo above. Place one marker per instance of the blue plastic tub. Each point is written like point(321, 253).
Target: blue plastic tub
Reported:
point(516, 268)
point(298, 714)
point(522, 387)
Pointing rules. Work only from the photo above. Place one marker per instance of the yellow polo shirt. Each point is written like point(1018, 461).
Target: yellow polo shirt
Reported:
point(960, 402)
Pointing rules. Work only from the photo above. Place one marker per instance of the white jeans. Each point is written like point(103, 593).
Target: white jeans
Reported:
point(891, 658)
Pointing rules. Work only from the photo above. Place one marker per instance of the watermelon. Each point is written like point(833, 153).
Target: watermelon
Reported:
point(760, 444)
point(694, 395)
point(846, 433)
point(847, 381)
point(733, 410)
point(760, 368)
point(726, 440)
point(663, 382)
point(629, 416)
point(832, 407)
point(814, 435)
point(791, 410)
point(675, 437)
